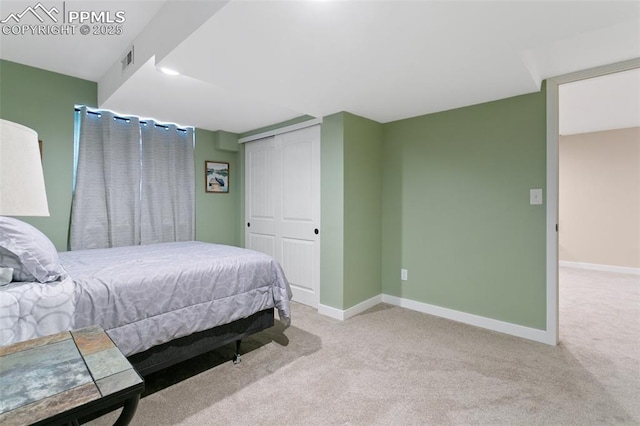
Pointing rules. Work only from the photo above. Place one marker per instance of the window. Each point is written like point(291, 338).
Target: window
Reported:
point(134, 181)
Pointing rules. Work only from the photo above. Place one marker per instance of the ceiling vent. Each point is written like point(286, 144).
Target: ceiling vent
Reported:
point(127, 60)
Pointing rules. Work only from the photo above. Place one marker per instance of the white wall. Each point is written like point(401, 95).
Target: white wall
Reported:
point(600, 198)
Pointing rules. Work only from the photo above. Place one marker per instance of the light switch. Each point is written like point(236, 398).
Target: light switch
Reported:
point(535, 196)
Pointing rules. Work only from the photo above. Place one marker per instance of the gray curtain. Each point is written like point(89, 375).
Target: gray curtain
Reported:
point(106, 201)
point(134, 183)
point(168, 184)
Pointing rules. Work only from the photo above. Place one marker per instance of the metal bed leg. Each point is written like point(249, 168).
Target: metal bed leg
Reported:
point(236, 357)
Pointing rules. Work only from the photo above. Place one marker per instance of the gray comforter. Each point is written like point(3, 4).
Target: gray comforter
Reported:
point(148, 295)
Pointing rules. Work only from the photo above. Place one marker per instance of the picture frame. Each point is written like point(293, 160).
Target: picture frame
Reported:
point(216, 177)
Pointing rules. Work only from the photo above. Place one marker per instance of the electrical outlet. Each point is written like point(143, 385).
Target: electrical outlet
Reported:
point(404, 274)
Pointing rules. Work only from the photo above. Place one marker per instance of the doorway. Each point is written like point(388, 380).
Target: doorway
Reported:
point(553, 131)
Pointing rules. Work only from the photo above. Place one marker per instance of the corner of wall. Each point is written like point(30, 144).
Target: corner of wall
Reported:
point(221, 227)
point(44, 101)
point(362, 209)
point(226, 141)
point(332, 211)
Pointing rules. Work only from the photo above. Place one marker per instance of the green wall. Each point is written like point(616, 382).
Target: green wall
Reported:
point(444, 195)
point(331, 211)
point(217, 218)
point(362, 209)
point(44, 101)
point(351, 177)
point(456, 209)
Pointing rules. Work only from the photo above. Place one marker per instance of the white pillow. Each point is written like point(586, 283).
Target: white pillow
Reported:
point(28, 251)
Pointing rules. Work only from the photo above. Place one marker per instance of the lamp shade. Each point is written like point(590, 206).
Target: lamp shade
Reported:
point(22, 191)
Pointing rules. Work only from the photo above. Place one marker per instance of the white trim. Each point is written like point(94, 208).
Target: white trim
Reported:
point(599, 267)
point(331, 312)
point(552, 308)
point(552, 332)
point(281, 130)
point(352, 311)
point(362, 306)
point(463, 317)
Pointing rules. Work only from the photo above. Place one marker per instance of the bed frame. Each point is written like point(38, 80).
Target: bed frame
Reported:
point(178, 350)
point(184, 348)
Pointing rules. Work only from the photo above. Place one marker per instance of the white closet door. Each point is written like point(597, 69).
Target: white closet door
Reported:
point(300, 215)
point(262, 177)
point(283, 206)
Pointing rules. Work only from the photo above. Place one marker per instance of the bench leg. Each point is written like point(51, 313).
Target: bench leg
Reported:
point(130, 406)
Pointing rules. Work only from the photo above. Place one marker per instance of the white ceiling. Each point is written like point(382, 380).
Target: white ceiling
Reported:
point(247, 64)
point(602, 103)
point(86, 57)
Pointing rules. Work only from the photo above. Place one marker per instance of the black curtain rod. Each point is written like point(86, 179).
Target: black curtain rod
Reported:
point(162, 126)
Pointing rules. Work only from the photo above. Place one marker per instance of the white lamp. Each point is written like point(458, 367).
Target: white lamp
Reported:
point(22, 191)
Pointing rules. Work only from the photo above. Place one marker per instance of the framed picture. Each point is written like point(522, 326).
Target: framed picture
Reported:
point(216, 175)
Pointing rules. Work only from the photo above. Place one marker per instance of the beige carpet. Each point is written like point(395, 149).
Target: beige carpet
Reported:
point(393, 366)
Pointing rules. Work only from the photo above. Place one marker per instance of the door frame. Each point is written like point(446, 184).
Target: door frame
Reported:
point(553, 118)
point(280, 130)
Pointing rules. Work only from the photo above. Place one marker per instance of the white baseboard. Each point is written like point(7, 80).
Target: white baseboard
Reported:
point(597, 267)
point(476, 320)
point(352, 311)
point(463, 317)
point(331, 312)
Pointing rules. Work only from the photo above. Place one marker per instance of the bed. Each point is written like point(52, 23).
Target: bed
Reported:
point(160, 303)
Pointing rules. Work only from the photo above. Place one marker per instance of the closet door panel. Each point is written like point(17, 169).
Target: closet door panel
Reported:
point(283, 199)
point(261, 204)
